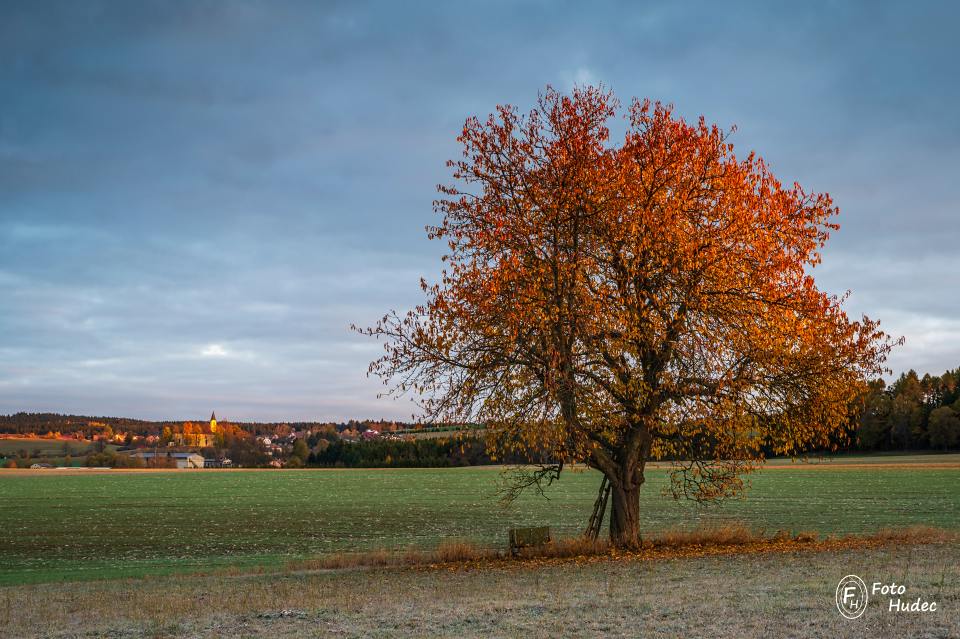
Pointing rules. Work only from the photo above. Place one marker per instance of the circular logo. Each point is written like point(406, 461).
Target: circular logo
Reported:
point(851, 596)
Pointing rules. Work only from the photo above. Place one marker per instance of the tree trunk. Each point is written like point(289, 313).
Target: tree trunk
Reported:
point(624, 472)
point(625, 516)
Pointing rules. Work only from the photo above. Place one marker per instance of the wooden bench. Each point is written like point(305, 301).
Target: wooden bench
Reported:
point(528, 538)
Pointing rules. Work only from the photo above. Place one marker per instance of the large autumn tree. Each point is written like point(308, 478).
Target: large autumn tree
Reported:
point(615, 303)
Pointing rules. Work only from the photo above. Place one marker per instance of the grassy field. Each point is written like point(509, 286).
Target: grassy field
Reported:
point(62, 525)
point(37, 447)
point(724, 596)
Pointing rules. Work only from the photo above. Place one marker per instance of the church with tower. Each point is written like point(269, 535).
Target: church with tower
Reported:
point(198, 435)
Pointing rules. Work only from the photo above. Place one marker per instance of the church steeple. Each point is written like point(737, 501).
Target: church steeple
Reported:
point(213, 422)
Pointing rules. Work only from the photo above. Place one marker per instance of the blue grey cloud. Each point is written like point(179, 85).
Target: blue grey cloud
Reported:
point(198, 198)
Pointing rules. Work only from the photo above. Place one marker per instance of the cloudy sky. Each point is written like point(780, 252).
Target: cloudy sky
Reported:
point(198, 198)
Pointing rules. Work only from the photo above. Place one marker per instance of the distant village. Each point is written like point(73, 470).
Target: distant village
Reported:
point(121, 443)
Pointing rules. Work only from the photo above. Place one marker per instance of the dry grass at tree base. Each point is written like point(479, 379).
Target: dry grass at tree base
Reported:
point(713, 585)
point(717, 540)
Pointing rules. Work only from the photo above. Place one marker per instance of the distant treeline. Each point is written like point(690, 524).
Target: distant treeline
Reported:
point(42, 423)
point(405, 453)
point(422, 453)
point(911, 413)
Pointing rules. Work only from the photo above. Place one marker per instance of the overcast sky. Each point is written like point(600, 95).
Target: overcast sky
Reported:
point(198, 198)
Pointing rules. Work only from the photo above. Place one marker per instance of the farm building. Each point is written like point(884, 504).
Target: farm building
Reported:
point(184, 460)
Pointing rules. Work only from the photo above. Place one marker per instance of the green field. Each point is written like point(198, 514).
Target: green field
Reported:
point(114, 524)
point(36, 447)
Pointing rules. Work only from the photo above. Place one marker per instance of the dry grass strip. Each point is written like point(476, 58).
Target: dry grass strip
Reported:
point(720, 540)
